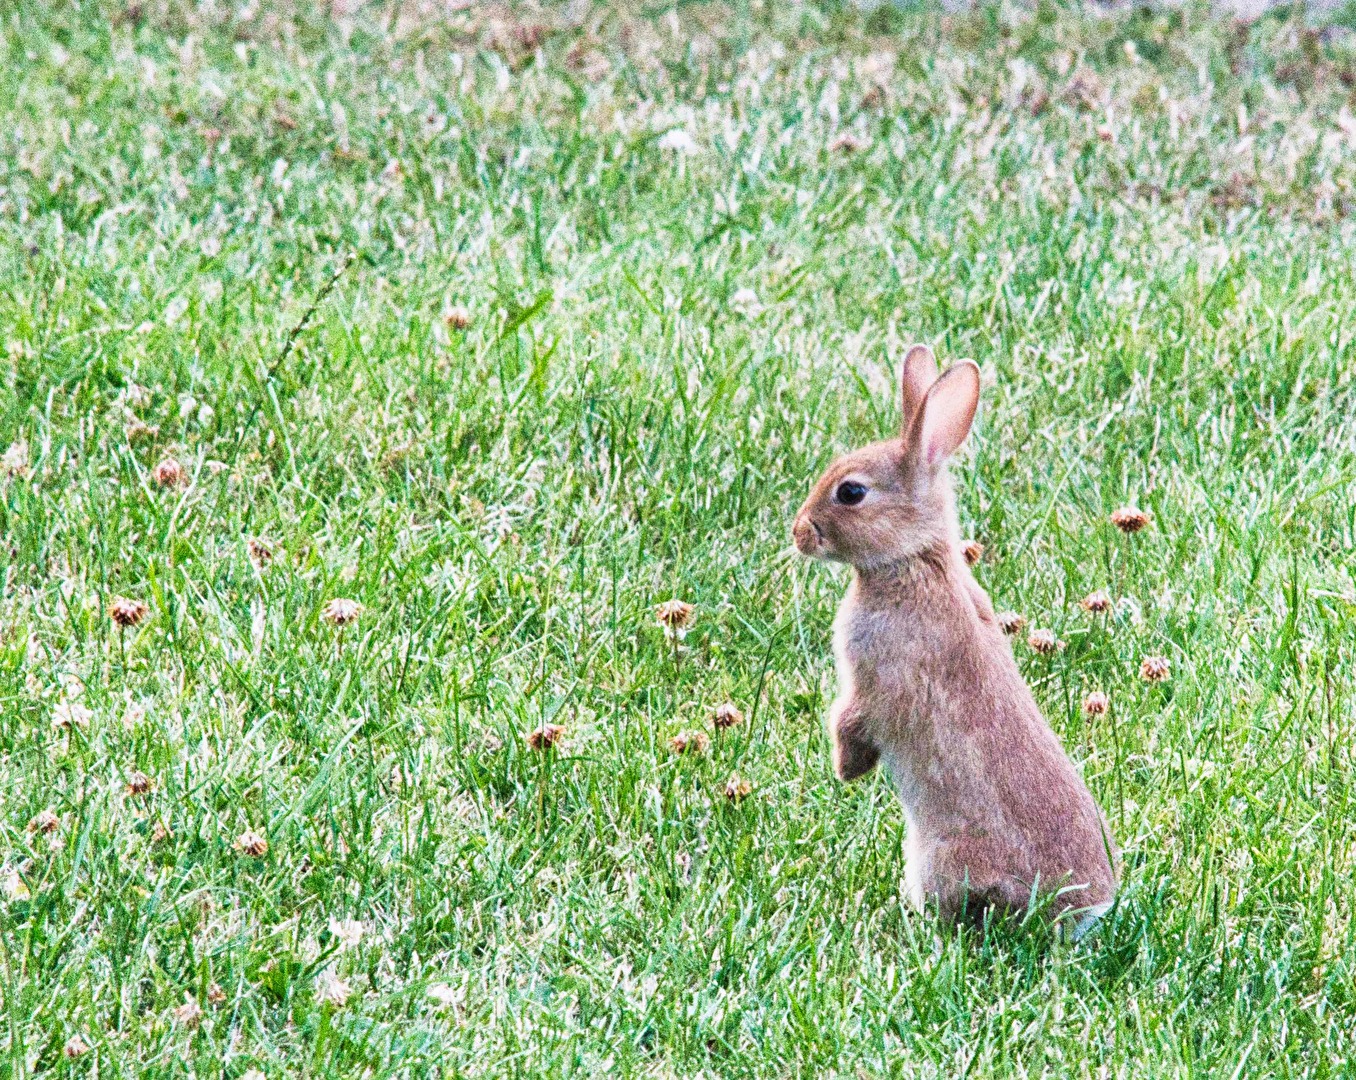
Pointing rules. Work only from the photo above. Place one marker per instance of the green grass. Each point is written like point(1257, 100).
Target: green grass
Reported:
point(1162, 310)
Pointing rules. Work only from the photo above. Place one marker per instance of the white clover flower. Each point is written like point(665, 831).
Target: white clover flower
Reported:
point(332, 990)
point(174, 310)
point(348, 931)
point(71, 714)
point(442, 993)
point(744, 298)
point(678, 140)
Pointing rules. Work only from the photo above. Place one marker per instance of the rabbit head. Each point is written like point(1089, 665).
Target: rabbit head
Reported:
point(890, 501)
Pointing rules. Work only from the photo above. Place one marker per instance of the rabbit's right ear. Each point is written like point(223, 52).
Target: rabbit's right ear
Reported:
point(920, 372)
point(947, 413)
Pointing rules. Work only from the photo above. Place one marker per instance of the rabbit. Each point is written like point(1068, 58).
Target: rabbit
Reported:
point(997, 814)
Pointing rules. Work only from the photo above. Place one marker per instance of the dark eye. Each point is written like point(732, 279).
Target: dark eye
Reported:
point(850, 493)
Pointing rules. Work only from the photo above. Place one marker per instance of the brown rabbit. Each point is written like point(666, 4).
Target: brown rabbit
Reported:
point(997, 814)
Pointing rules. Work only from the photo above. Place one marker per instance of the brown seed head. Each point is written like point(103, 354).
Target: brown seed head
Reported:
point(674, 615)
point(160, 833)
point(127, 612)
point(873, 98)
point(1096, 703)
point(1129, 519)
point(737, 788)
point(1085, 88)
point(457, 318)
point(45, 822)
point(75, 1047)
point(138, 783)
point(341, 612)
point(188, 1014)
point(1096, 602)
point(1155, 668)
point(1010, 622)
point(545, 737)
point(972, 551)
point(260, 551)
point(169, 473)
point(1044, 642)
point(690, 742)
point(727, 716)
point(250, 842)
point(137, 429)
point(215, 994)
point(848, 142)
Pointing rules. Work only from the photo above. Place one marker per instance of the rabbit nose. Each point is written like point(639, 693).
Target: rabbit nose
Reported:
point(806, 535)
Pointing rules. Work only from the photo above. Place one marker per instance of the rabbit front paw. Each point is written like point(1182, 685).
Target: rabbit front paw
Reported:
point(854, 751)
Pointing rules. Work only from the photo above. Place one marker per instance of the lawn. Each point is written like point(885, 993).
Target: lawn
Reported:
point(510, 325)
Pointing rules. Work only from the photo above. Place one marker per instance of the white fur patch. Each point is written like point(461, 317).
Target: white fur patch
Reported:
point(1085, 920)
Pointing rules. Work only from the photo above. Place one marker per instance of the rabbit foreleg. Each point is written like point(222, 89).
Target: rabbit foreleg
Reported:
point(854, 751)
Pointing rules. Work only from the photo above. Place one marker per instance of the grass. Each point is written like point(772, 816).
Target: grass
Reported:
point(232, 236)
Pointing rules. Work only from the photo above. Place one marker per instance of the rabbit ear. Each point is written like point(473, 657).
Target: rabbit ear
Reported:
point(947, 413)
point(920, 372)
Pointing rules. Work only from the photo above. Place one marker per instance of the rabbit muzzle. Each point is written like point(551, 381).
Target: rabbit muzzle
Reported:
point(809, 540)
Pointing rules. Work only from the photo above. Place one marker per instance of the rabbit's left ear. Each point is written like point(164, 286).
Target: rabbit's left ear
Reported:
point(947, 413)
point(920, 372)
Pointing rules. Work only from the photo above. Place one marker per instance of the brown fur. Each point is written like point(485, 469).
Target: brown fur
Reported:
point(996, 811)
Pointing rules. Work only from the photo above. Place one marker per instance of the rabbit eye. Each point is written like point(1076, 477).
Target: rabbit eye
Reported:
point(850, 493)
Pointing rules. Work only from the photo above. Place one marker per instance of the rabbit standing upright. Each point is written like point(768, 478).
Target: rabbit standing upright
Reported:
point(997, 814)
